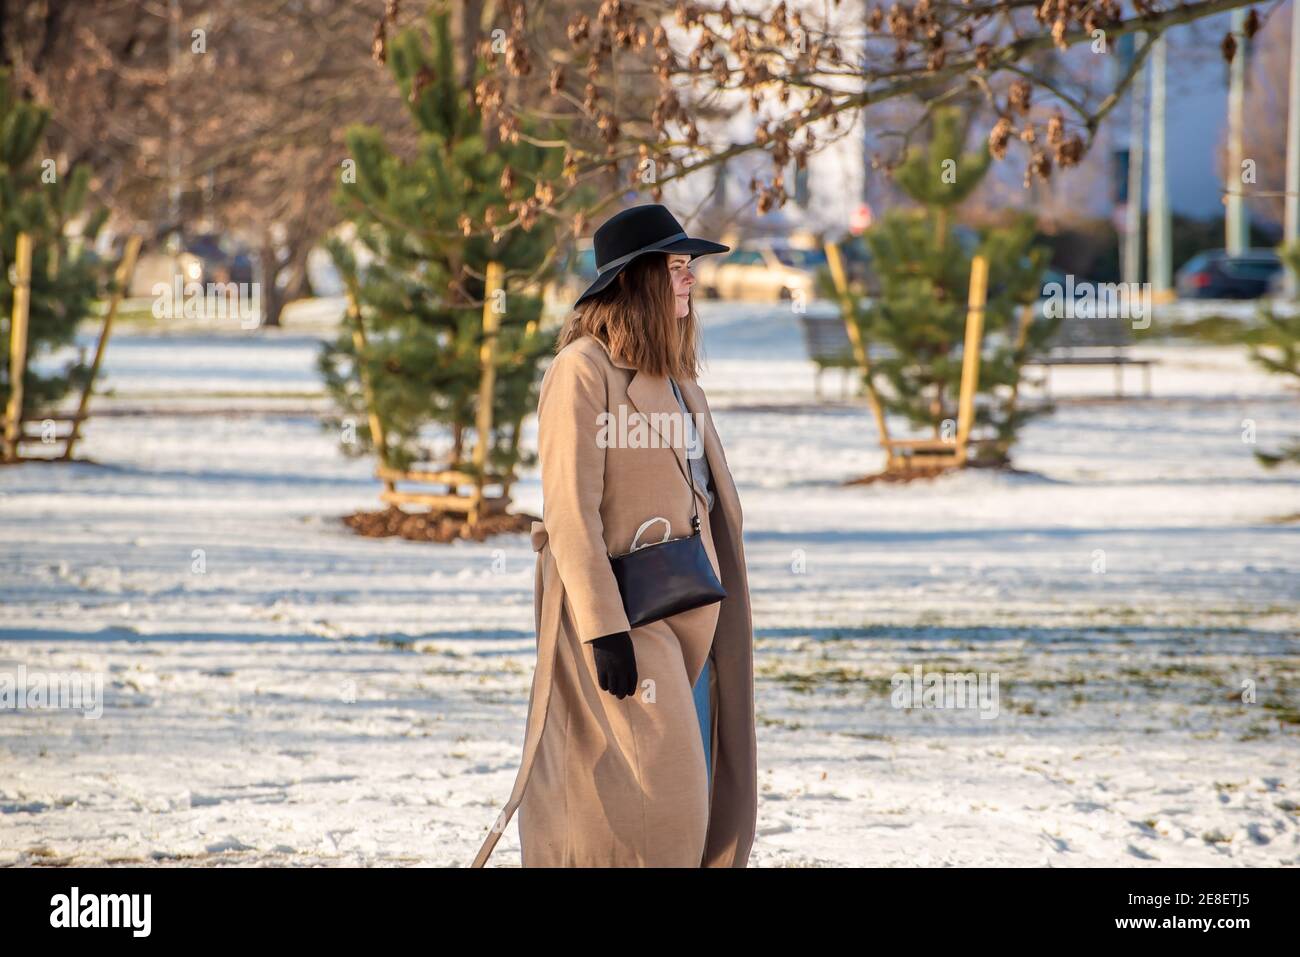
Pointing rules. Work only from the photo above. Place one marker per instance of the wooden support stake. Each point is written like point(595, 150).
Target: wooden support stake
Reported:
point(367, 391)
point(855, 337)
point(121, 281)
point(18, 345)
point(487, 384)
point(970, 360)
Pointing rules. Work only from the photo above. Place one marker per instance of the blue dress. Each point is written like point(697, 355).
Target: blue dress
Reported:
point(702, 712)
point(703, 479)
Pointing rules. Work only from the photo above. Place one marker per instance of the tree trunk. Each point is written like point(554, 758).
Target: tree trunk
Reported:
point(6, 61)
point(282, 282)
point(466, 28)
point(272, 298)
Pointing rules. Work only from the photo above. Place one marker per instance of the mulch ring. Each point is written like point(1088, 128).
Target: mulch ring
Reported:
point(435, 526)
point(930, 472)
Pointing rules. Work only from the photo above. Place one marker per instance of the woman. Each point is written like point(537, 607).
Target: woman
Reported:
point(614, 772)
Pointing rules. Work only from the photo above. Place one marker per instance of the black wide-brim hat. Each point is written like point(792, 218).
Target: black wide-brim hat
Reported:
point(636, 231)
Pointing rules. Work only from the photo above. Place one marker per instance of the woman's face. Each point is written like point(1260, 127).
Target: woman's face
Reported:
point(679, 268)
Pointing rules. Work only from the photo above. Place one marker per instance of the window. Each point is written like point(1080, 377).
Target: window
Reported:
point(1254, 268)
point(800, 258)
point(1198, 262)
point(801, 191)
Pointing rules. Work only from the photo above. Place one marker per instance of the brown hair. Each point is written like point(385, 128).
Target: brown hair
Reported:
point(635, 316)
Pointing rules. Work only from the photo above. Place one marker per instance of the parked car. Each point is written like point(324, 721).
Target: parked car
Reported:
point(224, 259)
point(159, 266)
point(1213, 274)
point(762, 270)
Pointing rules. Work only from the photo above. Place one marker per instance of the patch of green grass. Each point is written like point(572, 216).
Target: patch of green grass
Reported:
point(808, 681)
point(1255, 731)
point(1284, 712)
point(1029, 708)
point(1051, 684)
point(1219, 330)
point(1186, 671)
point(767, 722)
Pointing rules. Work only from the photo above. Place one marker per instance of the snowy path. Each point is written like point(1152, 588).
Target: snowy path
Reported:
point(278, 690)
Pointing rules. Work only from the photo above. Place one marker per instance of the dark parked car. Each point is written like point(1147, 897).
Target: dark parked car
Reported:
point(224, 260)
point(1213, 274)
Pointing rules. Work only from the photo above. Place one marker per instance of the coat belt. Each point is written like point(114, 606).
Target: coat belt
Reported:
point(548, 627)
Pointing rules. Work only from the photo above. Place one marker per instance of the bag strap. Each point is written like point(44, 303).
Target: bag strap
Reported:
point(668, 530)
point(695, 504)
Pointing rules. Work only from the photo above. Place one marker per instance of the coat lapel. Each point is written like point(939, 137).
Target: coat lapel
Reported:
point(723, 485)
point(652, 394)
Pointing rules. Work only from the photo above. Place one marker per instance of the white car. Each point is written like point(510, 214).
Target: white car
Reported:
point(761, 270)
point(159, 266)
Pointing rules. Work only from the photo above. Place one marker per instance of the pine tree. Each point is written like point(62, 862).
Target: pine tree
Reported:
point(918, 322)
point(37, 199)
point(421, 294)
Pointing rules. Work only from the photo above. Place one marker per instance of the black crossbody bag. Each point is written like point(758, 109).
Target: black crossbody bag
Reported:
point(667, 577)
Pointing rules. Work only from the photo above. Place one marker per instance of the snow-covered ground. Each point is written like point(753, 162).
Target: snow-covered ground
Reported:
point(277, 690)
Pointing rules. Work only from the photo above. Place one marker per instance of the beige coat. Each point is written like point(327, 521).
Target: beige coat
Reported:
point(621, 783)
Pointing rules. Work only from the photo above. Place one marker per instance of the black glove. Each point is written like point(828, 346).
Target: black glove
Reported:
point(615, 663)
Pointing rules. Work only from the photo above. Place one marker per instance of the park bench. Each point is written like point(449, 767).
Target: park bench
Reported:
point(828, 345)
point(1092, 341)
